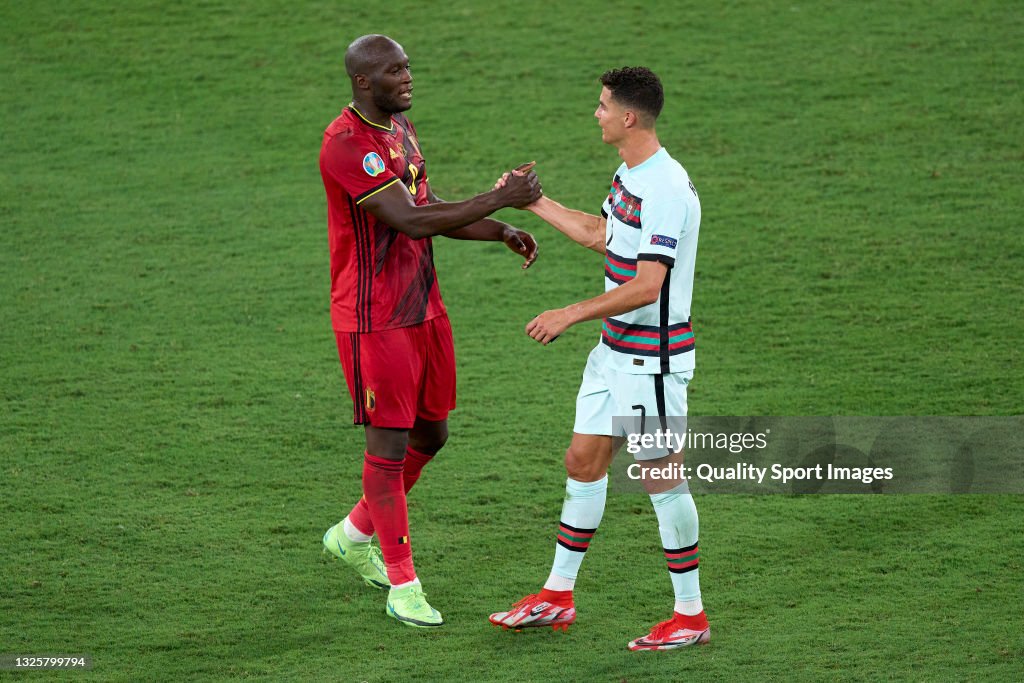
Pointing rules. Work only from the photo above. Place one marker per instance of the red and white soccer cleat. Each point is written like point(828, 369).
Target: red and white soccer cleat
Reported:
point(669, 635)
point(533, 612)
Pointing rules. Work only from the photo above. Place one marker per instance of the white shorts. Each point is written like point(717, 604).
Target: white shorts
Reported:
point(605, 394)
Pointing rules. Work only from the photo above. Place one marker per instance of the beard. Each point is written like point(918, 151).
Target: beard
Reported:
point(390, 104)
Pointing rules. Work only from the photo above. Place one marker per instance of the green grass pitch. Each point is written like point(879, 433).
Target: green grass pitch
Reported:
point(174, 434)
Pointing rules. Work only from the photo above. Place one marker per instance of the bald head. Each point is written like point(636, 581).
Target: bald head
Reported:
point(379, 71)
point(368, 53)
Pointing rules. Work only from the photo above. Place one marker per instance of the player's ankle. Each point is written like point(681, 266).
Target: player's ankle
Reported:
point(354, 533)
point(695, 622)
point(560, 598)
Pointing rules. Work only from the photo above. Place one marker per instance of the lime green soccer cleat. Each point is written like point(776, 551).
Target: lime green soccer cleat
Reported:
point(363, 557)
point(410, 607)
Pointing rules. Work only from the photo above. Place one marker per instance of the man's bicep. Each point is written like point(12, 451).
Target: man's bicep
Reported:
point(391, 203)
point(651, 273)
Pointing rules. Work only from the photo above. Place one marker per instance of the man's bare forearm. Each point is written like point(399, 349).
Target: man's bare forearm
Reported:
point(394, 205)
point(642, 290)
point(628, 297)
point(483, 230)
point(446, 217)
point(583, 228)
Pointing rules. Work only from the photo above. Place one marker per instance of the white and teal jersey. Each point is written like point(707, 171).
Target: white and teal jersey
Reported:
point(653, 214)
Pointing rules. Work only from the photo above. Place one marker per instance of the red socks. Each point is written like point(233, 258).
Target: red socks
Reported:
point(414, 462)
point(697, 622)
point(560, 598)
point(384, 496)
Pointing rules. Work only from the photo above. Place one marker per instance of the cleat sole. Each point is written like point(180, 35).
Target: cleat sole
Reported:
point(409, 621)
point(533, 617)
point(704, 639)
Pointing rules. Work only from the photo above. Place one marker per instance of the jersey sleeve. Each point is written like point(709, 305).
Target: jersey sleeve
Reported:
point(356, 164)
point(662, 226)
point(606, 205)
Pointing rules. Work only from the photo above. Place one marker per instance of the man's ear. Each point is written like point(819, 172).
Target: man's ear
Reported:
point(361, 81)
point(630, 120)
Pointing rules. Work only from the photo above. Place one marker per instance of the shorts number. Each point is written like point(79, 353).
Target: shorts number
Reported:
point(643, 416)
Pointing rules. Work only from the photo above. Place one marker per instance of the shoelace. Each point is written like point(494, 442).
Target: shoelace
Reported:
point(419, 598)
point(525, 601)
point(664, 629)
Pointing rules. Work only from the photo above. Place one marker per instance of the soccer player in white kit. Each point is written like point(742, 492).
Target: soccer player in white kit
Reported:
point(647, 231)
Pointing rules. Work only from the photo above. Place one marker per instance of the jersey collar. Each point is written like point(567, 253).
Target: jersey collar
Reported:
point(370, 123)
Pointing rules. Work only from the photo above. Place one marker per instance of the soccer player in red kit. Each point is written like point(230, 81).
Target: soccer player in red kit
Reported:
point(392, 330)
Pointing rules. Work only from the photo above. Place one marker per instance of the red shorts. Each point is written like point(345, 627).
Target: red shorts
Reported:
point(395, 376)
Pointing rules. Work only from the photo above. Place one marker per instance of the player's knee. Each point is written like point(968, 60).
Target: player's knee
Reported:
point(431, 442)
point(580, 466)
point(386, 443)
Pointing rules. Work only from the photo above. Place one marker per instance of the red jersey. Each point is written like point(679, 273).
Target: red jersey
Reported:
point(380, 278)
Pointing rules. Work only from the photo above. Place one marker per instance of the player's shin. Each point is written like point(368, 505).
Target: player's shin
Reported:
point(678, 524)
point(581, 515)
point(358, 525)
point(384, 493)
point(415, 461)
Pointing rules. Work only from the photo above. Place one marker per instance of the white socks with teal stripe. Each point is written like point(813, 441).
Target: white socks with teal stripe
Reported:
point(581, 515)
point(677, 522)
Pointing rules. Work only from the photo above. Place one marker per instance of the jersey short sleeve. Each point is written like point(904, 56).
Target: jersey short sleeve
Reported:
point(662, 227)
point(606, 205)
point(357, 165)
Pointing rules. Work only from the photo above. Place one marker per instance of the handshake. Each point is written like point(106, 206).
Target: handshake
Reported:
point(519, 187)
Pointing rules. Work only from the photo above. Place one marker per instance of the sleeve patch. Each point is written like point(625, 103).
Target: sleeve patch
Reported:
point(373, 164)
point(663, 241)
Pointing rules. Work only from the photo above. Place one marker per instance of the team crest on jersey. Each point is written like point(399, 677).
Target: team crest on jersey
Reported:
point(373, 164)
point(392, 152)
point(663, 241)
point(371, 400)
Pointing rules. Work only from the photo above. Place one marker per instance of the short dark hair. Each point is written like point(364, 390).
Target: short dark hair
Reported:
point(637, 87)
